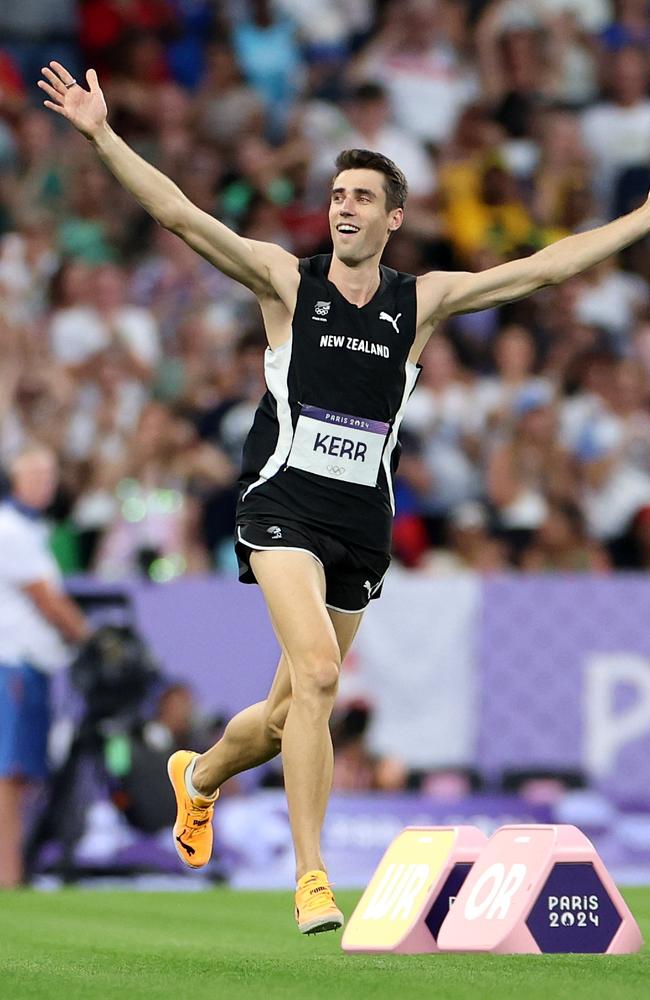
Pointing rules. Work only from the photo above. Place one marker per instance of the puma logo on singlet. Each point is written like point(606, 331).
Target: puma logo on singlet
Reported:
point(389, 319)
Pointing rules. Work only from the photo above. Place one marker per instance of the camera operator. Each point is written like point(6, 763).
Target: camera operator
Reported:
point(37, 621)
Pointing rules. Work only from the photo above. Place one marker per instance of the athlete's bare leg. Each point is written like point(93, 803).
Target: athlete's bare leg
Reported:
point(254, 735)
point(293, 584)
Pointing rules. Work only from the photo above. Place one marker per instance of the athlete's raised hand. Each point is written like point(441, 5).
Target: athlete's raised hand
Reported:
point(85, 109)
point(257, 265)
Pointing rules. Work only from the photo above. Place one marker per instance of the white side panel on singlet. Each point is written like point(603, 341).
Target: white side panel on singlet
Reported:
point(412, 373)
point(276, 374)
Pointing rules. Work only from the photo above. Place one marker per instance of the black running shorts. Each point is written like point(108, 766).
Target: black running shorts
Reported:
point(353, 575)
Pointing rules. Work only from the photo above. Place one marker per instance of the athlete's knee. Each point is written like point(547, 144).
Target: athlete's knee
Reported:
point(317, 674)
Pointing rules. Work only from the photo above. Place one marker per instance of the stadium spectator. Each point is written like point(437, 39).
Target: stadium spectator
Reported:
point(470, 546)
point(417, 55)
point(370, 127)
point(156, 527)
point(194, 21)
point(38, 182)
point(37, 621)
point(617, 131)
point(266, 46)
point(589, 378)
point(391, 775)
point(353, 766)
point(28, 262)
point(611, 299)
point(226, 107)
point(442, 418)
point(561, 173)
point(612, 489)
point(527, 468)
point(96, 317)
point(560, 545)
point(494, 217)
point(517, 74)
point(133, 86)
point(514, 353)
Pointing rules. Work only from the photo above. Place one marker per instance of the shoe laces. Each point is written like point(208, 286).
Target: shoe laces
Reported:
point(202, 814)
point(313, 900)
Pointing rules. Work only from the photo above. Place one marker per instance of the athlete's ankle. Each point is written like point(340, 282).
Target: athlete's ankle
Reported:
point(304, 869)
point(202, 780)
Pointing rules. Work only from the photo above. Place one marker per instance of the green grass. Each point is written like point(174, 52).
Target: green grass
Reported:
point(76, 944)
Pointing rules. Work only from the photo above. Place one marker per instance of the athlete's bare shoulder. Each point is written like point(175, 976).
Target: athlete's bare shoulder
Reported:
point(430, 290)
point(429, 294)
point(281, 267)
point(279, 303)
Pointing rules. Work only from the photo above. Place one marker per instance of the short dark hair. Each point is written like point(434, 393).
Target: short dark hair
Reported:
point(395, 186)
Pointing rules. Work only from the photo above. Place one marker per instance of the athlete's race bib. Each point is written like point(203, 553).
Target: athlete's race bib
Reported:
point(338, 446)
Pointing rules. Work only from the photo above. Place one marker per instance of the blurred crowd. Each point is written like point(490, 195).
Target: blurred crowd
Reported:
point(527, 441)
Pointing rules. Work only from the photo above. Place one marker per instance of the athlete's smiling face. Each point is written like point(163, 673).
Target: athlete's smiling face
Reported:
point(360, 222)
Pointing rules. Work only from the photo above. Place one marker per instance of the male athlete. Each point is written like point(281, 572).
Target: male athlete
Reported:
point(315, 509)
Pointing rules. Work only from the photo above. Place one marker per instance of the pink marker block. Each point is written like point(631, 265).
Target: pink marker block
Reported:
point(540, 890)
point(412, 889)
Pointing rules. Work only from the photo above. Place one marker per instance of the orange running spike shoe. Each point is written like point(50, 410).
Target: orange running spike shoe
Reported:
point(316, 908)
point(193, 826)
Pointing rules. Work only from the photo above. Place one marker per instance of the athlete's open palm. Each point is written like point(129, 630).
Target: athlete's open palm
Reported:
point(85, 109)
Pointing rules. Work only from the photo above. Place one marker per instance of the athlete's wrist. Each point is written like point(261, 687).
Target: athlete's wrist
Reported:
point(101, 136)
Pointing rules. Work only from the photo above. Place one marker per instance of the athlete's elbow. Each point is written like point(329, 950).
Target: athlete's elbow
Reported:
point(171, 214)
point(171, 220)
point(551, 267)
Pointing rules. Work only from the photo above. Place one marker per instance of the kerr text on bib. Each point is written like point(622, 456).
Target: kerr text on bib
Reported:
point(338, 445)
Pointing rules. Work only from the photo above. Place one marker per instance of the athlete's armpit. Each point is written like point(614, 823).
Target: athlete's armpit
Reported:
point(264, 268)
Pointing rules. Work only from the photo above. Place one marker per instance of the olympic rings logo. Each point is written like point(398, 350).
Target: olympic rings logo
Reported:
point(336, 470)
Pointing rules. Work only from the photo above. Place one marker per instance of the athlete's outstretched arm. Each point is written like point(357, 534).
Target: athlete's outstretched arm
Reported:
point(248, 261)
point(441, 294)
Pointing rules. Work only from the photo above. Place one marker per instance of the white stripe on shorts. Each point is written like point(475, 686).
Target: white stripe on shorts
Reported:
point(275, 548)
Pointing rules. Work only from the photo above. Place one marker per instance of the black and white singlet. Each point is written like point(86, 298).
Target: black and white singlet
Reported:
point(323, 448)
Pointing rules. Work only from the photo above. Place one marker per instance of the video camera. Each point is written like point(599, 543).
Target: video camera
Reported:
point(114, 670)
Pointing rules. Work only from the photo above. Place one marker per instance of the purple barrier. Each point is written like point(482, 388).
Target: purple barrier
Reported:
point(560, 665)
point(564, 678)
point(253, 846)
point(253, 832)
